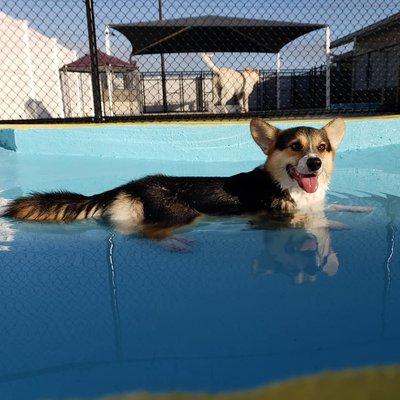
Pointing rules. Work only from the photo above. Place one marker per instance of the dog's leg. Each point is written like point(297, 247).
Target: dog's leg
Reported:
point(343, 208)
point(155, 232)
point(327, 259)
point(216, 98)
point(174, 215)
point(337, 226)
point(167, 239)
point(242, 104)
point(245, 100)
point(177, 244)
point(226, 95)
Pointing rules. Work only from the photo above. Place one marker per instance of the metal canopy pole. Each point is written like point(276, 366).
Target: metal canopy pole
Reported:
point(278, 80)
point(163, 78)
point(107, 40)
point(110, 89)
point(29, 65)
point(109, 75)
point(94, 60)
point(328, 67)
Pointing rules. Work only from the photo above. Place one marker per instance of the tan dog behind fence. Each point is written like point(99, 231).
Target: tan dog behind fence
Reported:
point(228, 83)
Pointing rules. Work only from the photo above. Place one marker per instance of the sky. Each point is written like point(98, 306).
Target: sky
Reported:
point(66, 20)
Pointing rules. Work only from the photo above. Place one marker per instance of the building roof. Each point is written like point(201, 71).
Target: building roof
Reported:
point(211, 33)
point(370, 29)
point(348, 55)
point(83, 64)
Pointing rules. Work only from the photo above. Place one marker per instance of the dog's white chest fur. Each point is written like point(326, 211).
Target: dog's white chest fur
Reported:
point(308, 202)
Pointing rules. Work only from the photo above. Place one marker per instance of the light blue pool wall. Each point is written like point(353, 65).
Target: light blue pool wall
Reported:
point(178, 142)
point(108, 156)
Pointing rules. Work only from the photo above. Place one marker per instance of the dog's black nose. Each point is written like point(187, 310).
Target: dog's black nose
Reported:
point(314, 163)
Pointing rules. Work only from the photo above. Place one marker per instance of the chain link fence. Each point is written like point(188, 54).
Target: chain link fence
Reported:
point(102, 60)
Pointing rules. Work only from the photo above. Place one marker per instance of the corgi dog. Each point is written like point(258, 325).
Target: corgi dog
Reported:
point(293, 181)
point(228, 83)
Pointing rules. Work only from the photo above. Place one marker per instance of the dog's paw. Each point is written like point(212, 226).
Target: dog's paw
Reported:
point(337, 226)
point(7, 232)
point(3, 204)
point(177, 244)
point(353, 209)
point(331, 265)
point(361, 209)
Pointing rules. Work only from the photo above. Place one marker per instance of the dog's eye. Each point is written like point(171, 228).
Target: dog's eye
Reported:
point(296, 146)
point(322, 147)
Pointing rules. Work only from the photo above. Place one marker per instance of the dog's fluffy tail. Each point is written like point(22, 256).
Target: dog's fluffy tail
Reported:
point(55, 206)
point(210, 64)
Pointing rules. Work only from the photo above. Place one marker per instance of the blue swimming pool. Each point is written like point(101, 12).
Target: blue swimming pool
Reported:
point(86, 311)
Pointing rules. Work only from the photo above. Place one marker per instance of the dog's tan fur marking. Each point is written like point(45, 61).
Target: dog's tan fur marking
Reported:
point(81, 215)
point(315, 142)
point(277, 161)
point(158, 233)
point(302, 139)
point(27, 211)
point(286, 206)
point(33, 209)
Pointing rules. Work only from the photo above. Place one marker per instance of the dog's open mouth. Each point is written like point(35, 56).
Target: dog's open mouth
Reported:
point(308, 182)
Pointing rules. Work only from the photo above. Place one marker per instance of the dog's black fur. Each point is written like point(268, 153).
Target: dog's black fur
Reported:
point(181, 199)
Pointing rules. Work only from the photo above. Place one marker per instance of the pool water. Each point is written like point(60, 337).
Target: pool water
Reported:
point(86, 311)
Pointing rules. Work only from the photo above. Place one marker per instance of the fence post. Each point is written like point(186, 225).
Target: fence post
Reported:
point(56, 63)
point(94, 60)
point(109, 72)
point(163, 76)
point(328, 67)
point(29, 66)
point(278, 80)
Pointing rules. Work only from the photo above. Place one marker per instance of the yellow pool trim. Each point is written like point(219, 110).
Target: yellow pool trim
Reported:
point(176, 122)
point(380, 383)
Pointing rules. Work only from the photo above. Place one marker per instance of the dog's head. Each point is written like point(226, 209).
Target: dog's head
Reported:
point(300, 159)
point(252, 75)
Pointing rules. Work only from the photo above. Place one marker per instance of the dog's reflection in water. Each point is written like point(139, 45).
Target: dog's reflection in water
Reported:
point(300, 248)
point(7, 233)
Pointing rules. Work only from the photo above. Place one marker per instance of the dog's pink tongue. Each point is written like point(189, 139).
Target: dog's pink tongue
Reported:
point(309, 183)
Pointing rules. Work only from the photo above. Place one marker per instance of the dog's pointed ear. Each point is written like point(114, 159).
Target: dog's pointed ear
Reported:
point(335, 130)
point(263, 134)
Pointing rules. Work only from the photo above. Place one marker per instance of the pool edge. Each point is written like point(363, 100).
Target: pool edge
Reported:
point(187, 122)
